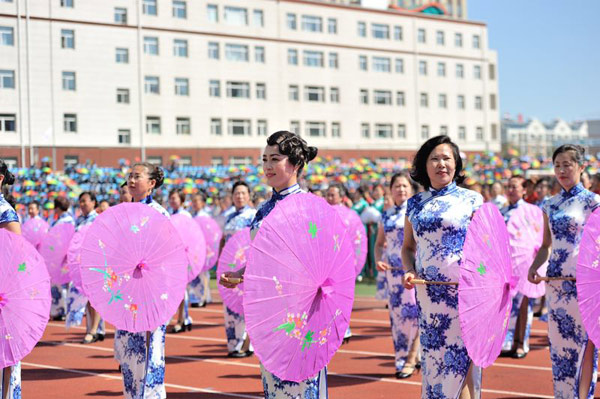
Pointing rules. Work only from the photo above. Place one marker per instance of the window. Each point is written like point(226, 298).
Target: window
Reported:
point(155, 160)
point(380, 31)
point(441, 69)
point(362, 62)
point(479, 133)
point(238, 89)
point(458, 39)
point(236, 16)
point(382, 97)
point(424, 100)
point(494, 131)
point(153, 124)
point(477, 71)
point(149, 7)
point(240, 161)
point(460, 71)
point(399, 65)
point(462, 133)
point(261, 127)
point(259, 54)
point(258, 18)
point(314, 93)
point(185, 161)
point(401, 131)
point(151, 45)
point(122, 56)
point(421, 36)
point(292, 56)
point(335, 129)
point(313, 58)
point(236, 52)
point(383, 130)
point(334, 95)
point(123, 96)
point(67, 38)
point(293, 93)
point(180, 48)
point(460, 101)
point(151, 85)
point(295, 127)
point(492, 71)
point(492, 101)
point(364, 130)
point(68, 81)
point(213, 50)
point(124, 136)
point(478, 102)
point(291, 21)
point(7, 79)
point(183, 126)
point(424, 132)
point(70, 123)
point(239, 127)
point(311, 23)
point(182, 87)
point(332, 26)
point(7, 36)
point(442, 101)
point(261, 91)
point(443, 130)
point(382, 64)
point(476, 41)
point(8, 123)
point(398, 33)
point(439, 38)
point(423, 68)
point(216, 127)
point(400, 99)
point(333, 61)
point(315, 129)
point(362, 29)
point(67, 3)
point(364, 96)
point(120, 15)
point(216, 161)
point(70, 160)
point(179, 9)
point(212, 13)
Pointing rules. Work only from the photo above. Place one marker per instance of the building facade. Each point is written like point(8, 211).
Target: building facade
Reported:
point(208, 81)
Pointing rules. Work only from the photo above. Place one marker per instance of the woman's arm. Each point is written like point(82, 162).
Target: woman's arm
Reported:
point(542, 255)
point(13, 227)
point(379, 245)
point(408, 254)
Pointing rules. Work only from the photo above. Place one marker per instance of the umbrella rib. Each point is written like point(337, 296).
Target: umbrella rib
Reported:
point(279, 296)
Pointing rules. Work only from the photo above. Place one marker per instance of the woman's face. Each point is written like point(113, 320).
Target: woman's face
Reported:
point(241, 197)
point(198, 203)
point(174, 201)
point(378, 192)
point(139, 183)
point(441, 166)
point(33, 210)
point(280, 173)
point(515, 190)
point(86, 204)
point(333, 196)
point(567, 171)
point(401, 190)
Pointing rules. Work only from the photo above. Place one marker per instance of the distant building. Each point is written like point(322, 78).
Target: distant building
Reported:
point(594, 137)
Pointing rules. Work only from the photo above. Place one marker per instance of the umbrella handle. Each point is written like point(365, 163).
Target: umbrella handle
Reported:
point(557, 278)
point(425, 282)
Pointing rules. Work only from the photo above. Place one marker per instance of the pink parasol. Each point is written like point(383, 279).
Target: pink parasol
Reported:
point(588, 277)
point(133, 267)
point(233, 258)
point(299, 287)
point(212, 236)
point(193, 240)
point(74, 256)
point(485, 284)
point(526, 232)
point(34, 231)
point(24, 298)
point(54, 251)
point(358, 234)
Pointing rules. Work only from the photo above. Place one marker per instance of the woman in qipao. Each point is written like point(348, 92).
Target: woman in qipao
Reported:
point(402, 304)
point(434, 234)
point(574, 357)
point(142, 355)
point(284, 158)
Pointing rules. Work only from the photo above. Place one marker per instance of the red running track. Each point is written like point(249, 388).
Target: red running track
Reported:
point(197, 366)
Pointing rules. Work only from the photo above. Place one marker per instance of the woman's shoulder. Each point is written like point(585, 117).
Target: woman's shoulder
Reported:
point(7, 212)
point(155, 205)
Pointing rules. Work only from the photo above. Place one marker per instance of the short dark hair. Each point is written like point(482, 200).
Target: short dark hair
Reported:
point(155, 172)
point(91, 195)
point(240, 183)
point(180, 193)
point(543, 180)
point(579, 152)
point(9, 178)
point(520, 179)
point(340, 187)
point(202, 194)
point(298, 152)
point(418, 171)
point(61, 203)
point(35, 203)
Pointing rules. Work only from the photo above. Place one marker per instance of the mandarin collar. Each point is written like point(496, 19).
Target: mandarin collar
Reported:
point(444, 190)
point(573, 191)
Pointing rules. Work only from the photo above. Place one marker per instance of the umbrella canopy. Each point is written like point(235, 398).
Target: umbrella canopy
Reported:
point(526, 233)
point(588, 277)
point(358, 235)
point(54, 251)
point(133, 267)
point(212, 236)
point(299, 287)
point(234, 257)
point(193, 240)
point(34, 231)
point(24, 298)
point(74, 256)
point(485, 284)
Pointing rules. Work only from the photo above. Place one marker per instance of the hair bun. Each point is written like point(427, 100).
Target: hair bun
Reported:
point(9, 178)
point(159, 176)
point(311, 153)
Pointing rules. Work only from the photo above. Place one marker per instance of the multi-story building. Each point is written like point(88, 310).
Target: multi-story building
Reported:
point(594, 137)
point(208, 81)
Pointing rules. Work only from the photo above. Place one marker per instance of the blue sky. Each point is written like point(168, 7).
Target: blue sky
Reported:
point(548, 55)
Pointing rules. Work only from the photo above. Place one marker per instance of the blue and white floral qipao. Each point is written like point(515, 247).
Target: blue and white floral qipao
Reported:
point(439, 220)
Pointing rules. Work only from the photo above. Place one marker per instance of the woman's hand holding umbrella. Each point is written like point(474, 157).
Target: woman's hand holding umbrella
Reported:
point(232, 279)
point(409, 276)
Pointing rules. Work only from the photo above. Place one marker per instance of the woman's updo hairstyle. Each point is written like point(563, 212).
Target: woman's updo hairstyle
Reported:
point(418, 171)
point(294, 147)
point(9, 178)
point(578, 152)
point(154, 172)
